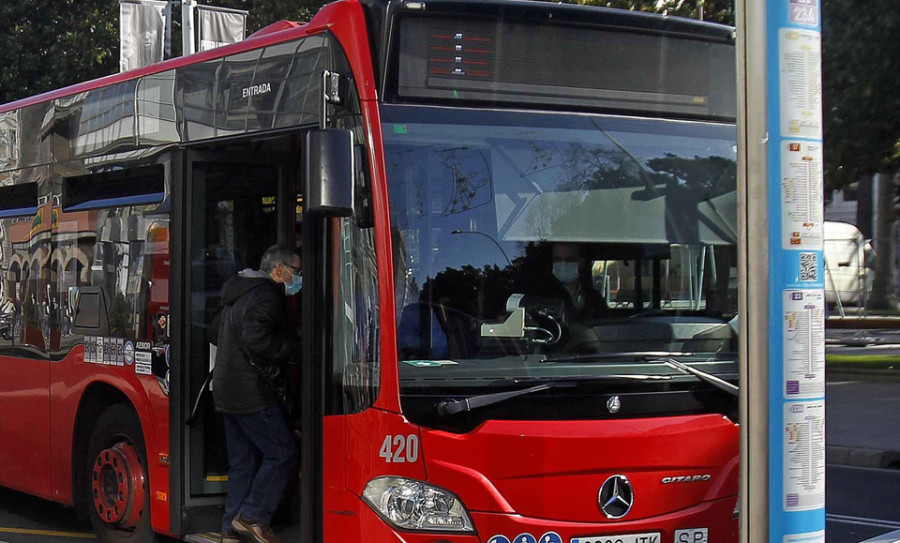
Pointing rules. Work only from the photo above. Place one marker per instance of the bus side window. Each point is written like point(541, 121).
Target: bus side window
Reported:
point(121, 217)
point(357, 332)
point(18, 203)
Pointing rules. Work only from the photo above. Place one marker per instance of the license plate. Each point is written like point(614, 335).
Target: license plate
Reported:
point(693, 535)
point(652, 537)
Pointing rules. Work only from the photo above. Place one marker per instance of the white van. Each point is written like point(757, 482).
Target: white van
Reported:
point(849, 259)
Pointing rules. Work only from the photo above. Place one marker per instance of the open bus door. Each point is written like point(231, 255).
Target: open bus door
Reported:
point(236, 200)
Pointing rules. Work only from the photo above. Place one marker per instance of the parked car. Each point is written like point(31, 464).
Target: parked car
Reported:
point(849, 259)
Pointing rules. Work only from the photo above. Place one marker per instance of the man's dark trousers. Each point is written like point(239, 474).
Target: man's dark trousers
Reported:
point(261, 453)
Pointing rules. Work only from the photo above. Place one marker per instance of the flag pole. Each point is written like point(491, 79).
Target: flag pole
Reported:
point(187, 27)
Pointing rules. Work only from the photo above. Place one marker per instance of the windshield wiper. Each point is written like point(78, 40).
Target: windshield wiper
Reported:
point(663, 357)
point(452, 407)
point(707, 377)
point(647, 356)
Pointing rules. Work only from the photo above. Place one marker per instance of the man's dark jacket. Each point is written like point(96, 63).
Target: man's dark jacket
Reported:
point(252, 322)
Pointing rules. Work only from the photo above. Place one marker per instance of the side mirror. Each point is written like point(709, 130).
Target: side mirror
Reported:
point(330, 172)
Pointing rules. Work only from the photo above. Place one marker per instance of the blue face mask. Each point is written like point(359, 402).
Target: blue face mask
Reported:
point(294, 286)
point(567, 272)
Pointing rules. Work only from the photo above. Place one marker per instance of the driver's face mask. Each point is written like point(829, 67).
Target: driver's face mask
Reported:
point(565, 271)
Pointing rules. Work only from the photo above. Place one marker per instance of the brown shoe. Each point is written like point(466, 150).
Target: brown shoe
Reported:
point(230, 536)
point(253, 531)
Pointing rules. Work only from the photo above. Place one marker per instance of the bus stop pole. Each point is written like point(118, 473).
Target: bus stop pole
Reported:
point(753, 271)
point(780, 275)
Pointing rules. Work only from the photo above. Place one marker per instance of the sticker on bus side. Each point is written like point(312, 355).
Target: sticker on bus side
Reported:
point(90, 350)
point(108, 351)
point(143, 358)
point(129, 353)
point(119, 358)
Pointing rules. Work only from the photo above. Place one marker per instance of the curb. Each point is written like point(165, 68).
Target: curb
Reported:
point(862, 323)
point(861, 457)
point(863, 373)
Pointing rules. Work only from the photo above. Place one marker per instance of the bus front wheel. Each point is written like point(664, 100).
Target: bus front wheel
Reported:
point(117, 481)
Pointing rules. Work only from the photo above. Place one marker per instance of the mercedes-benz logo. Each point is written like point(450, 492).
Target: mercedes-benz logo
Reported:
point(616, 497)
point(613, 404)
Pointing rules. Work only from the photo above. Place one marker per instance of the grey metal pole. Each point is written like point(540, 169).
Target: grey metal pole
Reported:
point(167, 50)
point(753, 269)
point(187, 27)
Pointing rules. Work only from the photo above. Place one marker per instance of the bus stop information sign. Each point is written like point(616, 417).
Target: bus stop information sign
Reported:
point(796, 317)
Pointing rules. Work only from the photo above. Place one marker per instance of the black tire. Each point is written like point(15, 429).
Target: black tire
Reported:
point(118, 429)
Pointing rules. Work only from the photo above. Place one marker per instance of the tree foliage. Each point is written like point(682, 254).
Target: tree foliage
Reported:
point(49, 44)
point(718, 11)
point(860, 87)
point(861, 111)
point(45, 44)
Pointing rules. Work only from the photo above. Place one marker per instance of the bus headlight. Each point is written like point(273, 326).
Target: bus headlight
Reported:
point(413, 505)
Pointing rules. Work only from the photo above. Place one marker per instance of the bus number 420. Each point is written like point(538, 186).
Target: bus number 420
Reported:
point(400, 449)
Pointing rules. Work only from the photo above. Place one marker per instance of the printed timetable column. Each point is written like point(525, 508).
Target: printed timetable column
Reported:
point(796, 286)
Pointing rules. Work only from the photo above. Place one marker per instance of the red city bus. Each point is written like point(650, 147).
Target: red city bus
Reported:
point(517, 222)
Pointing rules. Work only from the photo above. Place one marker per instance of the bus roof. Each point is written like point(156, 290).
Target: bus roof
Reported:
point(568, 13)
point(275, 33)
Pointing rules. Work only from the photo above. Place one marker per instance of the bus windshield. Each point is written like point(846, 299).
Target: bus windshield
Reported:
point(541, 246)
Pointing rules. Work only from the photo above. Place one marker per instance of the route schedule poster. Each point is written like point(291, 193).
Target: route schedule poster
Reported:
point(804, 455)
point(803, 203)
point(804, 344)
point(801, 83)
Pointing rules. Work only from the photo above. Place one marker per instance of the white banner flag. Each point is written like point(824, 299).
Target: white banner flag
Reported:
point(142, 25)
point(220, 26)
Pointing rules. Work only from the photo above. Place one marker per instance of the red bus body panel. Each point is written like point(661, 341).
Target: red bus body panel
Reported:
point(70, 378)
point(534, 477)
point(24, 425)
point(553, 470)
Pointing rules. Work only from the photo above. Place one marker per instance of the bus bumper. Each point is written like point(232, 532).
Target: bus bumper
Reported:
point(714, 521)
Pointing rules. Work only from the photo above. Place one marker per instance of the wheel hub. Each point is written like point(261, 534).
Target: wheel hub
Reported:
point(118, 486)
